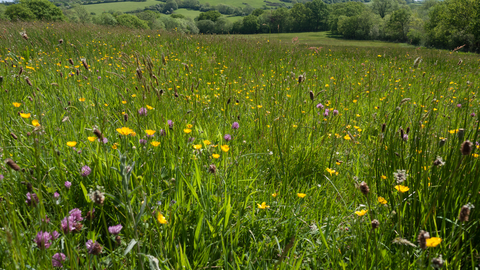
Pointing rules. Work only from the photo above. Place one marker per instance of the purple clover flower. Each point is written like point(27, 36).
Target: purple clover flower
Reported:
point(1, 177)
point(55, 235)
point(93, 247)
point(162, 132)
point(43, 240)
point(335, 112)
point(104, 140)
point(227, 137)
point(235, 125)
point(142, 141)
point(319, 106)
point(58, 259)
point(76, 214)
point(56, 195)
point(170, 124)
point(32, 199)
point(472, 115)
point(68, 184)
point(115, 229)
point(142, 111)
point(405, 137)
point(86, 171)
point(326, 112)
point(459, 105)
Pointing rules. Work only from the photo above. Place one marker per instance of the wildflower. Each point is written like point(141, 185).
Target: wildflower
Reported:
point(400, 176)
point(459, 105)
point(161, 218)
point(215, 156)
point(143, 142)
point(81, 99)
point(319, 106)
point(330, 171)
point(58, 259)
point(43, 240)
point(347, 137)
point(361, 213)
point(403, 241)
point(466, 148)
point(155, 143)
point(225, 148)
point(325, 114)
point(364, 188)
point(375, 224)
point(227, 137)
point(382, 200)
point(71, 144)
point(274, 195)
point(335, 112)
point(93, 247)
point(85, 171)
point(422, 239)
point(433, 241)
point(301, 195)
point(197, 146)
point(383, 177)
point(150, 132)
point(472, 114)
point(187, 130)
point(16, 104)
point(465, 212)
point(124, 131)
point(25, 115)
point(149, 107)
point(115, 229)
point(438, 162)
point(68, 184)
point(206, 142)
point(402, 189)
point(92, 139)
point(189, 126)
point(32, 199)
point(405, 137)
point(35, 123)
point(170, 124)
point(235, 125)
point(263, 205)
point(56, 195)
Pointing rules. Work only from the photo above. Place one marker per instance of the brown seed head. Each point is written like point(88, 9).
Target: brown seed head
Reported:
point(118, 240)
point(464, 213)
point(466, 148)
point(422, 239)
point(364, 188)
point(71, 62)
point(84, 63)
point(375, 224)
point(12, 165)
point(98, 134)
point(212, 169)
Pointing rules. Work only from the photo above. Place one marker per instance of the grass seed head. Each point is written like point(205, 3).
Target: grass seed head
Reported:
point(465, 212)
point(84, 63)
point(12, 165)
point(375, 224)
point(364, 188)
point(438, 262)
point(466, 148)
point(422, 239)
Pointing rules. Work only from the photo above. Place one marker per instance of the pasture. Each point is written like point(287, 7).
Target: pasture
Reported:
point(129, 149)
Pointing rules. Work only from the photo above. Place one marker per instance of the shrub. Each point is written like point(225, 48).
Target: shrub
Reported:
point(132, 21)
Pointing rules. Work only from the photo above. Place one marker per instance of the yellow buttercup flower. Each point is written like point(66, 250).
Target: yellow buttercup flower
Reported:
point(383, 177)
point(331, 171)
point(161, 218)
point(434, 241)
point(361, 213)
point(124, 131)
point(263, 206)
point(150, 132)
point(35, 123)
point(149, 107)
point(206, 142)
point(274, 195)
point(225, 148)
point(402, 189)
point(124, 102)
point(115, 146)
point(17, 104)
point(71, 144)
point(215, 156)
point(301, 195)
point(197, 146)
point(81, 99)
point(382, 200)
point(187, 130)
point(155, 143)
point(25, 115)
point(92, 139)
point(189, 126)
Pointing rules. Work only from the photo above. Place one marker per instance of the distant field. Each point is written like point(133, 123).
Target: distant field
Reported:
point(189, 13)
point(322, 39)
point(129, 6)
point(119, 6)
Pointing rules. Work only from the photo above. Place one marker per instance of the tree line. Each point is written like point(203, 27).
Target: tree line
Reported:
point(447, 24)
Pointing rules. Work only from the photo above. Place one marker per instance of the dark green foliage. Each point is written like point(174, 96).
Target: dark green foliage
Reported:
point(206, 26)
point(250, 24)
point(131, 21)
point(19, 12)
point(44, 10)
point(397, 25)
point(211, 15)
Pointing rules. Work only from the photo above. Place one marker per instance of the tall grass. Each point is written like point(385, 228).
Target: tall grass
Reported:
point(189, 197)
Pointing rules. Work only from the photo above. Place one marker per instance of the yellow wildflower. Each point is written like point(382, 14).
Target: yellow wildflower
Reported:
point(150, 132)
point(35, 123)
point(25, 115)
point(81, 99)
point(16, 104)
point(215, 156)
point(187, 130)
point(92, 139)
point(382, 200)
point(301, 195)
point(434, 241)
point(402, 189)
point(361, 213)
point(155, 143)
point(71, 144)
point(274, 195)
point(347, 137)
point(161, 218)
point(197, 146)
point(225, 148)
point(263, 205)
point(124, 131)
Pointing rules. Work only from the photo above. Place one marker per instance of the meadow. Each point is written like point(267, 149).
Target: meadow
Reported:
point(129, 149)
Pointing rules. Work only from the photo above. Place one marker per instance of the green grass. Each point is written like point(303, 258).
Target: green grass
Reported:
point(119, 6)
point(322, 134)
point(240, 3)
point(324, 39)
point(187, 13)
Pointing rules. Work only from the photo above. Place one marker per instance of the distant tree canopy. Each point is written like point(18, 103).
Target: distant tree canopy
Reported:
point(29, 10)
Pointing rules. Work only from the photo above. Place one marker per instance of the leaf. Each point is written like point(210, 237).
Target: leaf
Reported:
point(85, 193)
point(153, 262)
point(129, 247)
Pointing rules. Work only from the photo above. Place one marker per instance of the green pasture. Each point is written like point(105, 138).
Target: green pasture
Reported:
point(119, 6)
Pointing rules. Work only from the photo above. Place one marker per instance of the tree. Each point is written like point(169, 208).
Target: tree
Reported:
point(257, 12)
point(206, 26)
point(170, 6)
point(300, 15)
point(397, 25)
point(19, 12)
point(107, 19)
point(149, 16)
point(211, 15)
point(382, 7)
point(319, 15)
point(223, 26)
point(250, 24)
point(44, 10)
point(131, 21)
